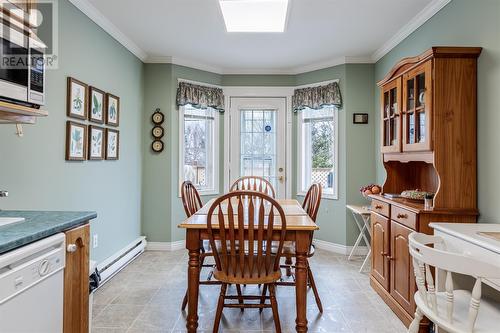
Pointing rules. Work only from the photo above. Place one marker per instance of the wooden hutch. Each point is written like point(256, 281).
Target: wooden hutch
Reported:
point(428, 142)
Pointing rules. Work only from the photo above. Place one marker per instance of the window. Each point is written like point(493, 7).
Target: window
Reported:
point(317, 145)
point(199, 148)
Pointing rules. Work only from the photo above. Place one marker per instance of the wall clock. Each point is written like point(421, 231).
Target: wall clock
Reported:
point(157, 132)
point(157, 117)
point(157, 146)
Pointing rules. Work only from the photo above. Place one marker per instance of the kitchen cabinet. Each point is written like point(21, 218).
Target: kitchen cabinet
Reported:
point(402, 287)
point(380, 249)
point(76, 280)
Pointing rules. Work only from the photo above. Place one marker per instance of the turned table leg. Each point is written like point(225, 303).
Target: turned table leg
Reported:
point(301, 248)
point(193, 246)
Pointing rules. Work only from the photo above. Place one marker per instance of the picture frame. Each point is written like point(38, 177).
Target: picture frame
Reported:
point(97, 141)
point(96, 105)
point(112, 144)
point(112, 110)
point(360, 118)
point(76, 141)
point(76, 99)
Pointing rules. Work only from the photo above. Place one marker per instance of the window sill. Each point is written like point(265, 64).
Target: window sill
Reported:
point(324, 196)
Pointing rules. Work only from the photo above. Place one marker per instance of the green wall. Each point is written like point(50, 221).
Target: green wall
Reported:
point(162, 208)
point(33, 168)
point(464, 23)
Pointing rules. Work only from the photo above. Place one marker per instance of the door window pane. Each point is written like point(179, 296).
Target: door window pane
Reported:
point(258, 131)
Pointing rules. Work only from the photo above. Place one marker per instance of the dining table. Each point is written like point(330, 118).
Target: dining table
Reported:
point(299, 229)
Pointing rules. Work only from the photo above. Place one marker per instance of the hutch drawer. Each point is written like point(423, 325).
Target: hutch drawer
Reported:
point(381, 207)
point(403, 216)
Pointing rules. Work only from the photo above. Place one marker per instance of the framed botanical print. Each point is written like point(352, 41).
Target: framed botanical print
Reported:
point(96, 105)
point(76, 141)
point(96, 142)
point(112, 144)
point(76, 100)
point(112, 110)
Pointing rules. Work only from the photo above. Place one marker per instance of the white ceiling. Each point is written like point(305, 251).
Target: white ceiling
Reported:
point(319, 33)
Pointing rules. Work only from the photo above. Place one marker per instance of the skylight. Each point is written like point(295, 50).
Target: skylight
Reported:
point(254, 15)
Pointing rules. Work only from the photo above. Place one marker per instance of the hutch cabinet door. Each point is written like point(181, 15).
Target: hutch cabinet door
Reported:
point(380, 249)
point(417, 108)
point(391, 117)
point(403, 285)
point(76, 281)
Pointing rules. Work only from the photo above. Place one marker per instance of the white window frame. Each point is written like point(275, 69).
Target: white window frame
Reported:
point(215, 140)
point(300, 185)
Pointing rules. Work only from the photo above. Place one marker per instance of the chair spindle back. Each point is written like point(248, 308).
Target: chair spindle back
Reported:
point(190, 198)
point(312, 201)
point(253, 183)
point(258, 216)
point(425, 257)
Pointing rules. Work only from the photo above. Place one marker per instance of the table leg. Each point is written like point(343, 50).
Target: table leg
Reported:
point(193, 246)
point(301, 248)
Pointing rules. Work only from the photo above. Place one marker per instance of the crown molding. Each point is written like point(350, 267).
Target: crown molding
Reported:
point(256, 71)
point(95, 15)
point(416, 22)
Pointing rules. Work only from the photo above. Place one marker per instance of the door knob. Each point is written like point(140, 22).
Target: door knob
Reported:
point(281, 179)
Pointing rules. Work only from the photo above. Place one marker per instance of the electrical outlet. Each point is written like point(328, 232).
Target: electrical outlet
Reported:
point(95, 241)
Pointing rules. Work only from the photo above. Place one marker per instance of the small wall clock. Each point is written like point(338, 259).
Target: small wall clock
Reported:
point(157, 146)
point(157, 132)
point(158, 117)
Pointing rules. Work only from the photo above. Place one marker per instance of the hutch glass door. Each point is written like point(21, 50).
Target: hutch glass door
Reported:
point(417, 87)
point(391, 129)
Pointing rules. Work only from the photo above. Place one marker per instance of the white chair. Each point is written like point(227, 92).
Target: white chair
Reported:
point(455, 311)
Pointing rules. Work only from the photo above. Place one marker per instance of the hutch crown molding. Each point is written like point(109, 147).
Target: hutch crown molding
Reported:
point(428, 142)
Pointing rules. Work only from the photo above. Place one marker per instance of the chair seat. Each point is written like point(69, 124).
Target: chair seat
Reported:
point(245, 277)
point(488, 319)
point(289, 249)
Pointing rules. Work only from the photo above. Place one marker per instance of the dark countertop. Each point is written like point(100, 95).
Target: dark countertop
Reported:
point(38, 225)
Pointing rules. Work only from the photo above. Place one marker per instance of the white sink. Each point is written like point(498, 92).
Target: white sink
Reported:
point(9, 220)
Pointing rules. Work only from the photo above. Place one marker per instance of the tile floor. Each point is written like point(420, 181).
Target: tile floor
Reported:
point(146, 297)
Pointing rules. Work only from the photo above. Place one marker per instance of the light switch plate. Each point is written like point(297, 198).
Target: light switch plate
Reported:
point(95, 241)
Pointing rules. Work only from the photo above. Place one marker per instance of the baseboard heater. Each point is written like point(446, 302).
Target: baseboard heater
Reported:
point(114, 264)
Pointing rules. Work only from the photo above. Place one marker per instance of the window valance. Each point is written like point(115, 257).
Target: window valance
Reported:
point(317, 97)
point(200, 97)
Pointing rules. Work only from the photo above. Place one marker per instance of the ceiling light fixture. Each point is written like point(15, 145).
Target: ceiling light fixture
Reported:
point(254, 15)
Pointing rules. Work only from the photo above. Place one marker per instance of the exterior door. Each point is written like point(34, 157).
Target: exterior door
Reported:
point(257, 142)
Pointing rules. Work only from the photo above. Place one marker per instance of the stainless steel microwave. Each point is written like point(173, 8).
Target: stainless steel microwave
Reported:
point(22, 68)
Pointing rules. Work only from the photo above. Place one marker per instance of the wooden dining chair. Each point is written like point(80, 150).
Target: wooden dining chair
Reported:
point(311, 206)
point(455, 311)
point(253, 222)
point(253, 183)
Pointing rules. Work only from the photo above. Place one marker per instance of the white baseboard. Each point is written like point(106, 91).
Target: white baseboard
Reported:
point(166, 246)
point(320, 244)
point(339, 248)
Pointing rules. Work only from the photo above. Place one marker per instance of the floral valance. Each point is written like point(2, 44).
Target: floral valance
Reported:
point(200, 97)
point(317, 97)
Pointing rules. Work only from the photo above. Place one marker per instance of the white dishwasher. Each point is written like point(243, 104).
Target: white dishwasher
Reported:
point(31, 287)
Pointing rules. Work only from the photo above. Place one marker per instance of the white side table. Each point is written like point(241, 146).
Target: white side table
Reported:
point(362, 218)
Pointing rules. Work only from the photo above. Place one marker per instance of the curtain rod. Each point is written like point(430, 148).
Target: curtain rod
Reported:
point(199, 83)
